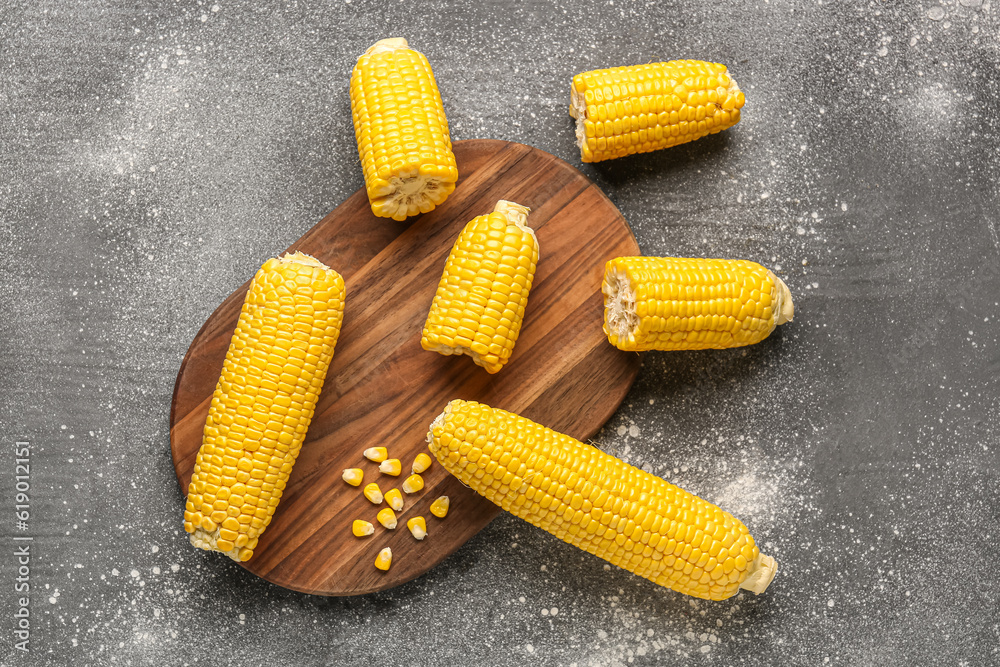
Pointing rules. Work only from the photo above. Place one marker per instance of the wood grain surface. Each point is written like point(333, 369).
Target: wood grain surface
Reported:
point(383, 389)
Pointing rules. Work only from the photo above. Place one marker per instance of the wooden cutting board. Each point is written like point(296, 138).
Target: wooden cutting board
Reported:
point(382, 389)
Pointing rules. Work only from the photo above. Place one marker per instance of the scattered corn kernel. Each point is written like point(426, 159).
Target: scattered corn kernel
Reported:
point(354, 476)
point(387, 518)
point(384, 559)
point(362, 528)
point(376, 454)
point(418, 527)
point(413, 483)
point(395, 499)
point(373, 493)
point(391, 467)
point(439, 507)
point(421, 463)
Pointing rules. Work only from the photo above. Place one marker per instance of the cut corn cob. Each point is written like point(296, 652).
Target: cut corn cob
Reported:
point(263, 402)
point(391, 467)
point(599, 503)
point(362, 528)
point(395, 499)
point(640, 108)
point(373, 493)
point(387, 518)
point(413, 483)
point(439, 507)
point(354, 476)
point(480, 300)
point(401, 130)
point(418, 527)
point(421, 463)
point(376, 454)
point(384, 559)
point(671, 303)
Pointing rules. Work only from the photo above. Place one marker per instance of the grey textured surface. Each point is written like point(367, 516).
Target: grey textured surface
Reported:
point(154, 154)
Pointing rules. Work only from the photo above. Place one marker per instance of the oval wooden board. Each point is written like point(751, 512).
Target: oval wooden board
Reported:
point(383, 389)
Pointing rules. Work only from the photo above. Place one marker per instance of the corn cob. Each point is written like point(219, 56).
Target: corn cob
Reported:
point(480, 300)
point(640, 108)
point(263, 402)
point(599, 503)
point(671, 303)
point(401, 130)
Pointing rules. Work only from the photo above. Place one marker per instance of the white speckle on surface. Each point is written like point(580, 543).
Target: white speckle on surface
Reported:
point(935, 13)
point(830, 603)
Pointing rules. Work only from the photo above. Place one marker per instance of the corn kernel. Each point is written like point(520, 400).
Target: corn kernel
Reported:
point(439, 507)
point(354, 476)
point(391, 467)
point(362, 528)
point(395, 499)
point(376, 454)
point(413, 483)
point(387, 518)
point(421, 463)
point(418, 527)
point(373, 493)
point(384, 559)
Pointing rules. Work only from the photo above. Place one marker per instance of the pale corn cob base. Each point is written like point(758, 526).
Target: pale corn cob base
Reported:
point(578, 110)
point(409, 192)
point(623, 321)
point(516, 215)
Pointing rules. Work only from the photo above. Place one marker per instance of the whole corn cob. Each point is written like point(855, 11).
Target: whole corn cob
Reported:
point(480, 300)
point(599, 503)
point(673, 303)
point(642, 108)
point(263, 403)
point(401, 130)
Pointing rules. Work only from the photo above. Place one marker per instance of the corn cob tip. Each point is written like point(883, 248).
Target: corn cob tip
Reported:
point(785, 309)
point(388, 44)
point(760, 574)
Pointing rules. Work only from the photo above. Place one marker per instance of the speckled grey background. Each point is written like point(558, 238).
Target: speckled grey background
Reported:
point(152, 155)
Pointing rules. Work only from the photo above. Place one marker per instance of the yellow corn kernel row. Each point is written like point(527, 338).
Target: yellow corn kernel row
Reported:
point(479, 303)
point(599, 503)
point(672, 303)
point(263, 403)
point(401, 130)
point(640, 108)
